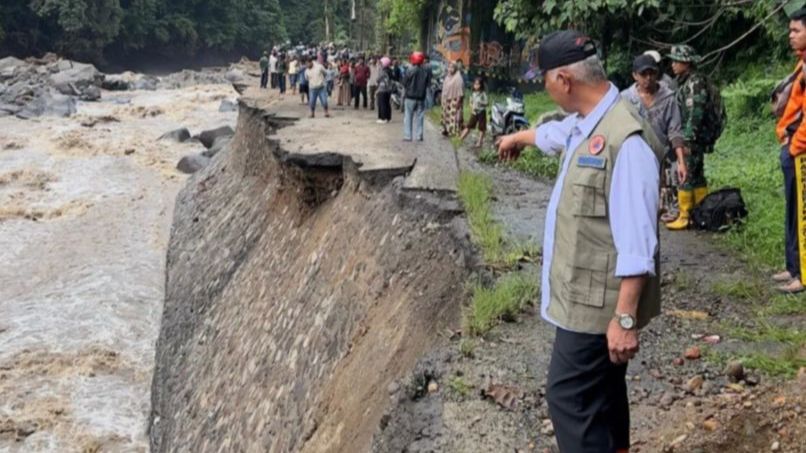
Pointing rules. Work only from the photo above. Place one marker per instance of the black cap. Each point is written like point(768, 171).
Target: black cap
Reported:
point(644, 62)
point(562, 48)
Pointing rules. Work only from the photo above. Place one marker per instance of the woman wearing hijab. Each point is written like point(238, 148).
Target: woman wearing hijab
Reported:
point(385, 91)
point(343, 84)
point(453, 91)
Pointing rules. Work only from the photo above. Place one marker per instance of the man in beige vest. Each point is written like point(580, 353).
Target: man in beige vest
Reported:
point(600, 252)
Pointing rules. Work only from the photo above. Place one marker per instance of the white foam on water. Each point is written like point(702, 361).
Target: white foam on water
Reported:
point(81, 288)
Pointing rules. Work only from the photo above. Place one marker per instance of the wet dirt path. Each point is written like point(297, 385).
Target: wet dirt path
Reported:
point(85, 212)
point(677, 404)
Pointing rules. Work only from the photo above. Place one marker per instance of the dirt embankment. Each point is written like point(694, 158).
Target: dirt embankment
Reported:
point(298, 289)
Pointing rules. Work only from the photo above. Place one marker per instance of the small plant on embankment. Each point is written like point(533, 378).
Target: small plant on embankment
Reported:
point(475, 191)
point(489, 306)
point(512, 292)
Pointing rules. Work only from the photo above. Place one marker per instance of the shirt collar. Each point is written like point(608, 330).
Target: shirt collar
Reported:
point(587, 124)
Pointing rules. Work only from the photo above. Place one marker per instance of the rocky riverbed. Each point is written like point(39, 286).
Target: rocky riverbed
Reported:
point(87, 192)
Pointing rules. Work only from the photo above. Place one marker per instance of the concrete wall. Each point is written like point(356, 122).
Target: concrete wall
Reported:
point(295, 294)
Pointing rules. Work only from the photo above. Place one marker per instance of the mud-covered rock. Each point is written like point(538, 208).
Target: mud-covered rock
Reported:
point(179, 135)
point(192, 163)
point(208, 137)
point(219, 145)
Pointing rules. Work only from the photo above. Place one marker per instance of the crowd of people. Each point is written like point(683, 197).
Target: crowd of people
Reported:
point(350, 79)
point(321, 76)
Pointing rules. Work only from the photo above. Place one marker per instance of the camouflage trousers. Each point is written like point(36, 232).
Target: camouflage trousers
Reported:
point(695, 162)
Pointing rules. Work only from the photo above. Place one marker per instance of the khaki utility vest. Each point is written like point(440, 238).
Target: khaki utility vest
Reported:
point(584, 286)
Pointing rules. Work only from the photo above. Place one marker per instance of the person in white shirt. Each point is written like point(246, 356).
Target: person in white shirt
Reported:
point(317, 76)
point(374, 73)
point(273, 69)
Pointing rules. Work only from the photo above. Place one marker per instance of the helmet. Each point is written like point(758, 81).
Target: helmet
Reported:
point(385, 62)
point(417, 58)
point(684, 53)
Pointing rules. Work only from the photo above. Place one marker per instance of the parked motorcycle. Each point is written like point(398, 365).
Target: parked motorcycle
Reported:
point(436, 88)
point(398, 95)
point(510, 116)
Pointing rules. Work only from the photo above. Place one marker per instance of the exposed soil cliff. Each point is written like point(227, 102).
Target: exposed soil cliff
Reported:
point(299, 286)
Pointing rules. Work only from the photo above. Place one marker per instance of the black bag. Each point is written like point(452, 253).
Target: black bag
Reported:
point(719, 210)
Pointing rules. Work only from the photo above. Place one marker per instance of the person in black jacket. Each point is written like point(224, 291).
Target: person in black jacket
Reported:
point(416, 82)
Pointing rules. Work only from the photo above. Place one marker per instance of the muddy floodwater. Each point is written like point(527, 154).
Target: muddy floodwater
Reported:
point(85, 211)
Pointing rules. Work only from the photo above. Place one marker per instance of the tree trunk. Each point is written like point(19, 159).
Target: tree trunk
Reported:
point(327, 22)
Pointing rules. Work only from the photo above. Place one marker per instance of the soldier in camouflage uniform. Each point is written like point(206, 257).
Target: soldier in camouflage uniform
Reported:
point(692, 97)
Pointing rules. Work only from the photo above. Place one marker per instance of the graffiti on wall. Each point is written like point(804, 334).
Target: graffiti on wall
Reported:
point(452, 38)
point(491, 54)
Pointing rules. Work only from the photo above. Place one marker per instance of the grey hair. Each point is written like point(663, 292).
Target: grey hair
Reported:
point(589, 70)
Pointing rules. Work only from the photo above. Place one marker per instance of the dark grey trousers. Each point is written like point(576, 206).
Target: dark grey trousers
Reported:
point(587, 395)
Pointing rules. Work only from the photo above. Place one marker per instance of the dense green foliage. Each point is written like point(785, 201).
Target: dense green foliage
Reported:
point(726, 31)
point(747, 157)
point(738, 32)
point(96, 30)
point(89, 28)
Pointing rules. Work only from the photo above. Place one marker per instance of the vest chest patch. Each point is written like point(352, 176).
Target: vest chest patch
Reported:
point(592, 162)
point(596, 144)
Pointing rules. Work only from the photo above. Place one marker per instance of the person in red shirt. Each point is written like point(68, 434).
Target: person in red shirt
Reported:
point(361, 74)
point(791, 132)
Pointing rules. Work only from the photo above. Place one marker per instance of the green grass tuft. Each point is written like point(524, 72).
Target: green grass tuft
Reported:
point(782, 304)
point(475, 191)
point(748, 290)
point(459, 387)
point(503, 302)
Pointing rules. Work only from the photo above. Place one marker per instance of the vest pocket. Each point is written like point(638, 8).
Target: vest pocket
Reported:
point(588, 280)
point(589, 194)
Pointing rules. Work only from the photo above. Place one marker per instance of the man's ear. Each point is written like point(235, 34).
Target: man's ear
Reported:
point(564, 79)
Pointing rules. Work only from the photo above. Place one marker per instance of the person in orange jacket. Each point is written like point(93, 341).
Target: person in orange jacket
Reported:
point(791, 132)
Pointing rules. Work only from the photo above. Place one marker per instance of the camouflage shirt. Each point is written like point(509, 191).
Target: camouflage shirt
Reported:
point(692, 96)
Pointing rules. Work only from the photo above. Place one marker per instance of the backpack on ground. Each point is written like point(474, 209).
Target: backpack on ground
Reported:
point(714, 117)
point(719, 210)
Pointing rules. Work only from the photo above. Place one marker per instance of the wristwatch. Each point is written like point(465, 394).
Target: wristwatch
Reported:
point(627, 322)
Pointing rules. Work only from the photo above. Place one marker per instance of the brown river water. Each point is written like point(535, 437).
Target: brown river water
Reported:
point(86, 207)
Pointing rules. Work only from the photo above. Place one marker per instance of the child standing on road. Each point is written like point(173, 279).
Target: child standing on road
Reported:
point(303, 82)
point(478, 103)
point(293, 73)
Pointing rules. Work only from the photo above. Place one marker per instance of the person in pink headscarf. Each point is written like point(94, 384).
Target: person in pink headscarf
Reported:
point(385, 88)
point(453, 92)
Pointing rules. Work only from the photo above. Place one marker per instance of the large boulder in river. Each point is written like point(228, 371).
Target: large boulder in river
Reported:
point(49, 103)
point(234, 75)
point(192, 163)
point(8, 67)
point(90, 93)
point(129, 81)
point(179, 135)
point(207, 138)
point(75, 79)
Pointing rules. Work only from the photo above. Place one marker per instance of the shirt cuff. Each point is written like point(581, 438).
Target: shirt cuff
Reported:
point(634, 266)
